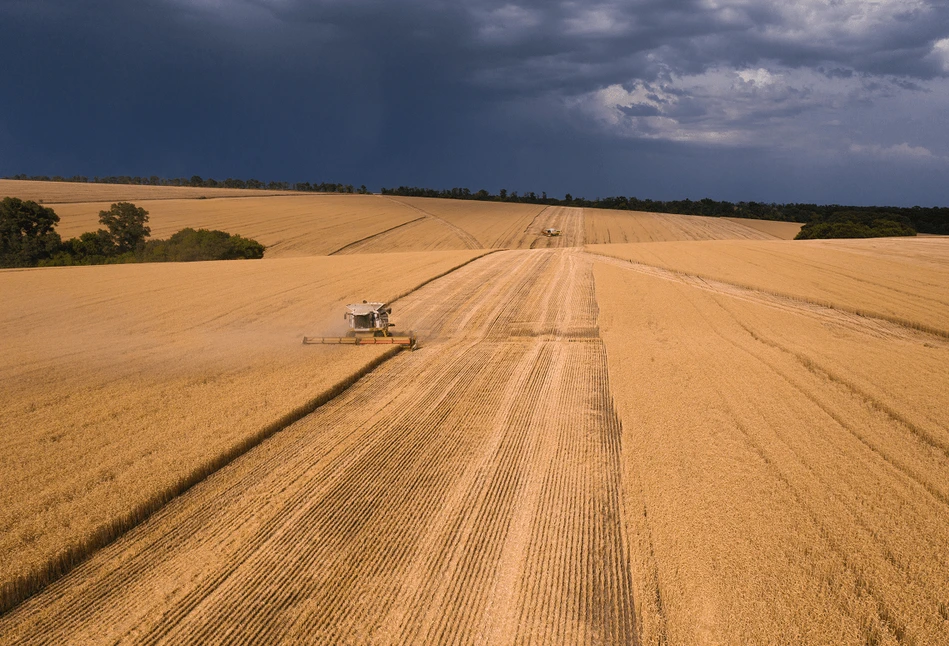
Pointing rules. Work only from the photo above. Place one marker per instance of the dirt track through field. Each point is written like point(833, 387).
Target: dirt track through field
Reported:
point(467, 493)
point(569, 221)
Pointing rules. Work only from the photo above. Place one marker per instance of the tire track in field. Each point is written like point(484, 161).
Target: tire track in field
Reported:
point(356, 245)
point(469, 492)
point(570, 221)
point(470, 241)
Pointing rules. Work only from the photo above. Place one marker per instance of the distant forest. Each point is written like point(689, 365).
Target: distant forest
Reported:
point(868, 221)
point(834, 219)
point(198, 182)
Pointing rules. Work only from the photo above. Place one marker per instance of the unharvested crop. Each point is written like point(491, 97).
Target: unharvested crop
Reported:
point(741, 441)
point(468, 490)
point(898, 279)
point(289, 226)
point(120, 381)
point(785, 467)
point(616, 227)
point(492, 225)
point(59, 192)
point(778, 229)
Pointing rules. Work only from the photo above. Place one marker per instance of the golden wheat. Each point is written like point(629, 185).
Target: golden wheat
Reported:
point(779, 230)
point(435, 499)
point(493, 225)
point(119, 381)
point(785, 470)
point(299, 225)
point(900, 279)
point(58, 192)
point(604, 226)
point(775, 468)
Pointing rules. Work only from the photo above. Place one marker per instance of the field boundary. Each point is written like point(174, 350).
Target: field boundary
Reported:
point(827, 305)
point(464, 236)
point(487, 252)
point(530, 226)
point(15, 592)
point(370, 237)
point(19, 590)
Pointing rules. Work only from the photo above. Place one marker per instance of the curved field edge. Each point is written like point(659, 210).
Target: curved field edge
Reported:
point(40, 575)
point(15, 592)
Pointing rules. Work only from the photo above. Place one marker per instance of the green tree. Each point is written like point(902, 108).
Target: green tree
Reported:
point(26, 233)
point(127, 226)
point(189, 245)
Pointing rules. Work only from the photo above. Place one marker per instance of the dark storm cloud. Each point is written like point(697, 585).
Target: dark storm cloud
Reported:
point(441, 93)
point(611, 38)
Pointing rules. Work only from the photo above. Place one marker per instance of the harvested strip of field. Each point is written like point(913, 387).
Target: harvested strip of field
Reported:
point(496, 225)
point(120, 381)
point(58, 192)
point(604, 226)
point(568, 221)
point(468, 492)
point(899, 279)
point(301, 225)
point(779, 230)
point(785, 479)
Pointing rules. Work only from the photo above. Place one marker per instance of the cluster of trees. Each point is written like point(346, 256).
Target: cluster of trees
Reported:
point(856, 224)
point(198, 181)
point(28, 239)
point(924, 220)
point(27, 233)
point(201, 244)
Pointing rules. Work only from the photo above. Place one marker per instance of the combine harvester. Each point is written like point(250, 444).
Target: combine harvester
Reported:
point(551, 233)
point(368, 325)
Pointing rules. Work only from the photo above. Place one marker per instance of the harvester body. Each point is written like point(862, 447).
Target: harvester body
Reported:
point(368, 325)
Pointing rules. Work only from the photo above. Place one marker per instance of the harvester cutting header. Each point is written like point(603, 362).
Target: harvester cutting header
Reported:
point(368, 325)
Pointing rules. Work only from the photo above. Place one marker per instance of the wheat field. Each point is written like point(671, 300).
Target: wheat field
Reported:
point(779, 230)
point(786, 473)
point(289, 226)
point(897, 279)
point(305, 224)
point(60, 192)
point(617, 227)
point(121, 381)
point(693, 441)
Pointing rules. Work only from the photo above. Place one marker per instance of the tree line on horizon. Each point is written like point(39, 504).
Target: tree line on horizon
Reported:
point(196, 181)
point(28, 238)
point(820, 221)
point(827, 220)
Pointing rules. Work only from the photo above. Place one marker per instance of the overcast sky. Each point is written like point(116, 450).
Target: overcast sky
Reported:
point(841, 101)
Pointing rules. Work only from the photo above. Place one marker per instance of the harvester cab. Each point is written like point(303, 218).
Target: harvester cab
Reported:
point(368, 325)
point(368, 319)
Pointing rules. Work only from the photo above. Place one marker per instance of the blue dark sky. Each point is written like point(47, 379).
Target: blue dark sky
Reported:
point(841, 101)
